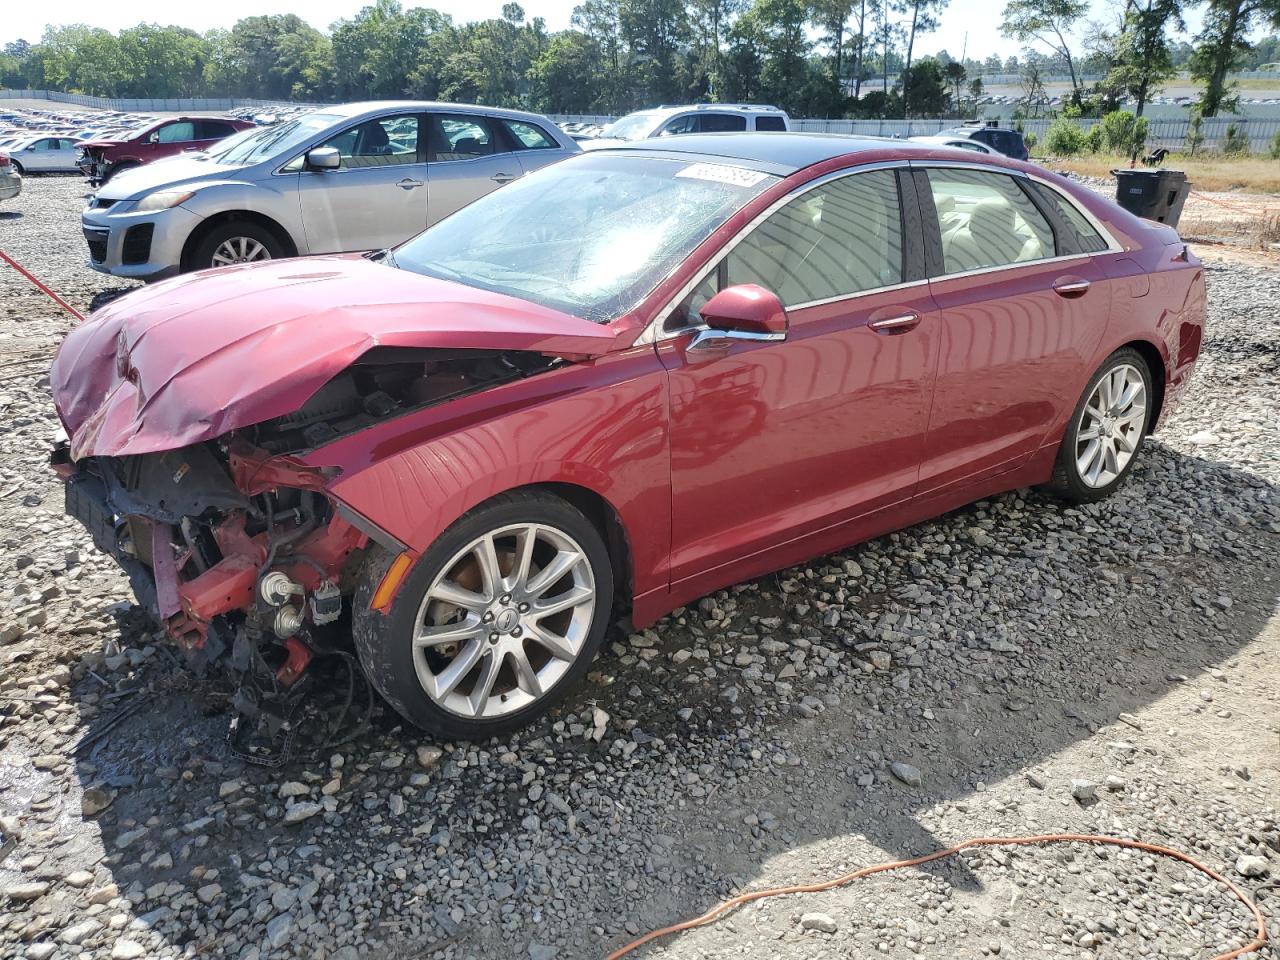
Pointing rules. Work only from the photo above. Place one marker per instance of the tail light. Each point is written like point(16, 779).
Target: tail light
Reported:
point(4, 160)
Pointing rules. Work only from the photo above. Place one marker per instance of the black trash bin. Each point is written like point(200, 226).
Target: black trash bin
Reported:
point(1154, 194)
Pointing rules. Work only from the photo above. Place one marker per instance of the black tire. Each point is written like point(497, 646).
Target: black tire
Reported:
point(202, 257)
point(1067, 482)
point(384, 641)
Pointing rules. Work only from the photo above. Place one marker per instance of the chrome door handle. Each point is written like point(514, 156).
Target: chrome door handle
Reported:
point(899, 323)
point(503, 178)
point(407, 184)
point(1070, 288)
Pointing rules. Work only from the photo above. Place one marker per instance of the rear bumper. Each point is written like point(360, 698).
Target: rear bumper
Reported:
point(10, 187)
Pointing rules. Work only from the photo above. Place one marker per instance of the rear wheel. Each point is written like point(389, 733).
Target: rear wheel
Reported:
point(235, 242)
point(496, 621)
point(1107, 430)
point(17, 166)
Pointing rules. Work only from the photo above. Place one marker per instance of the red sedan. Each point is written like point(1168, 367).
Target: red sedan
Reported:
point(620, 383)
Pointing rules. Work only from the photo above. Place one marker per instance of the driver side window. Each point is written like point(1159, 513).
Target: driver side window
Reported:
point(834, 241)
point(378, 143)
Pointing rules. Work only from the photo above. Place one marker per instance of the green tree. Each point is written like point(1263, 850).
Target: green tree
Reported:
point(922, 17)
point(1221, 44)
point(1047, 22)
point(1143, 59)
point(568, 77)
point(955, 75)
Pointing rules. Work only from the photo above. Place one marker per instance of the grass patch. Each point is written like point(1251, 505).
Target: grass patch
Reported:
point(1251, 174)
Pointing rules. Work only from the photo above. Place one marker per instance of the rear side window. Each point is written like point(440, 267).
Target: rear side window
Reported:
point(1075, 233)
point(215, 129)
point(722, 123)
point(770, 123)
point(528, 136)
point(987, 221)
point(462, 137)
point(832, 242)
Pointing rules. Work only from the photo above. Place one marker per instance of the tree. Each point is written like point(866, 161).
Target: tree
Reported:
point(1047, 22)
point(1222, 42)
point(976, 89)
point(1143, 59)
point(955, 74)
point(928, 88)
point(567, 76)
point(1033, 94)
point(923, 18)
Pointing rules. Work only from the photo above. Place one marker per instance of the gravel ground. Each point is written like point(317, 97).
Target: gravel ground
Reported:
point(1012, 668)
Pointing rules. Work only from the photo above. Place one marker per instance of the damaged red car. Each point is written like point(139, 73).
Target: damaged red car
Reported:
point(620, 383)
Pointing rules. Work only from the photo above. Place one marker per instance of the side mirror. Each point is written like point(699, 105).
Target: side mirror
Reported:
point(746, 308)
point(324, 158)
point(153, 138)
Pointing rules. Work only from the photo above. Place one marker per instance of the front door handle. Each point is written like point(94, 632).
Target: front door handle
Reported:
point(503, 178)
point(896, 322)
point(1070, 287)
point(407, 184)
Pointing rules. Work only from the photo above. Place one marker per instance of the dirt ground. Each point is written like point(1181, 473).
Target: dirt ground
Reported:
point(1015, 667)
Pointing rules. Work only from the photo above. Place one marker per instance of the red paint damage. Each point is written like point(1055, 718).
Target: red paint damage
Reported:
point(195, 357)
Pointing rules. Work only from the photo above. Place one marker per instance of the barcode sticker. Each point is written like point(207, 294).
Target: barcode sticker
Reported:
point(722, 173)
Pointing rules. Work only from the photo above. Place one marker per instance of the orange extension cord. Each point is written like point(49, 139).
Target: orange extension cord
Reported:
point(715, 912)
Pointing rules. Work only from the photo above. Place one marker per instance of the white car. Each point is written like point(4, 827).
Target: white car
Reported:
point(693, 118)
point(44, 154)
point(973, 146)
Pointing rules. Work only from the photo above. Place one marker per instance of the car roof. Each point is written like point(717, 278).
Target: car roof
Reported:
point(373, 107)
point(783, 151)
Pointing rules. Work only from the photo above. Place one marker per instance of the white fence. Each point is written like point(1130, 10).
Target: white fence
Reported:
point(147, 104)
point(1161, 132)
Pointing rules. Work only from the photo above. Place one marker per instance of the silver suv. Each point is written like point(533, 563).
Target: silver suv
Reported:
point(669, 121)
point(359, 176)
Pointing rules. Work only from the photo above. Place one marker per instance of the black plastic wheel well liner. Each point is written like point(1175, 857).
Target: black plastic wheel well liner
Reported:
point(231, 216)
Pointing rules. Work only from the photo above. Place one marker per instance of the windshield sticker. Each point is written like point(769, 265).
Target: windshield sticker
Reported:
point(720, 173)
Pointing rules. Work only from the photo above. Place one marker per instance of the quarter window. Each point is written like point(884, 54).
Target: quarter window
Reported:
point(834, 241)
point(460, 137)
point(527, 136)
point(378, 143)
point(1076, 234)
point(722, 123)
point(987, 221)
point(770, 123)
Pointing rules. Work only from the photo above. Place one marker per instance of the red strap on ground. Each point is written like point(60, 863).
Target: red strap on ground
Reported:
point(1257, 943)
point(52, 296)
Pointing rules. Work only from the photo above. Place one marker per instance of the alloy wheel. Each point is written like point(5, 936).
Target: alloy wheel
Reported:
point(239, 250)
point(504, 620)
point(1111, 425)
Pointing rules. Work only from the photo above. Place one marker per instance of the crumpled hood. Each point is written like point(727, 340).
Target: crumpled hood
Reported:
point(191, 358)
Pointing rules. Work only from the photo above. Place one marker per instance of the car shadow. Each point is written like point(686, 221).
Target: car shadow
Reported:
point(103, 297)
point(10, 215)
point(965, 708)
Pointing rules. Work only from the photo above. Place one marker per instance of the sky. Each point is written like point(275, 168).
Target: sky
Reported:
point(974, 21)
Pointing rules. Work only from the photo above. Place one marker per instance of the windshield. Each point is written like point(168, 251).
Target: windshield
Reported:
point(635, 126)
point(266, 142)
point(591, 236)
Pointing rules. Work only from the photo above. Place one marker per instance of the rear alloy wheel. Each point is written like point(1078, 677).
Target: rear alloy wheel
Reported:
point(1107, 429)
point(236, 242)
point(497, 620)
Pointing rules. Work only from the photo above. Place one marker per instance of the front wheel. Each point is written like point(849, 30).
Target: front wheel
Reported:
point(496, 621)
point(17, 166)
point(235, 242)
point(1107, 430)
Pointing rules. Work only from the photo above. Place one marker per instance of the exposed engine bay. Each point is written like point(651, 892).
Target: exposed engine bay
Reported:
point(237, 549)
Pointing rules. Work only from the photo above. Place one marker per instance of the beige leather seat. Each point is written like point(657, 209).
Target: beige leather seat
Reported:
point(989, 239)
